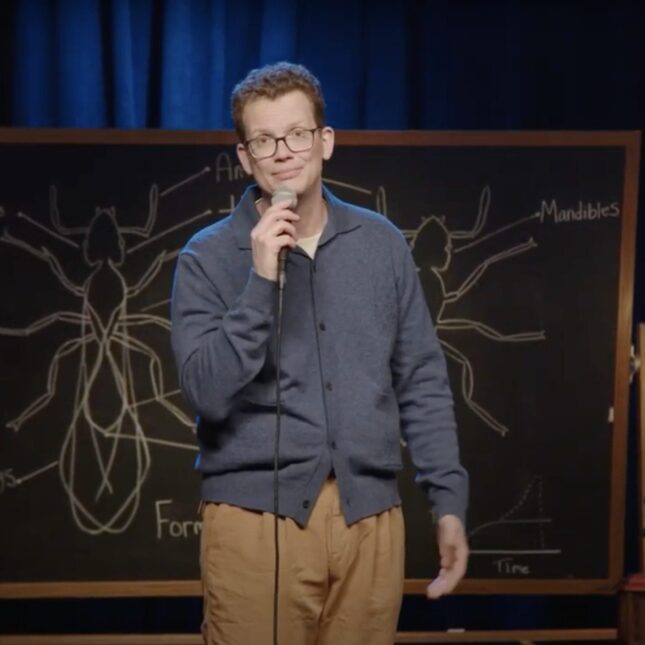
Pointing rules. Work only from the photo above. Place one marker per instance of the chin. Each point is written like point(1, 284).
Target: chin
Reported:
point(301, 185)
point(294, 183)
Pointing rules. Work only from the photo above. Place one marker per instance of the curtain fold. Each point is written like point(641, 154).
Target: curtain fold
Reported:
point(129, 43)
point(392, 65)
point(34, 88)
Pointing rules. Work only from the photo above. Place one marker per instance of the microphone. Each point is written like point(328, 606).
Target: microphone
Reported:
point(283, 194)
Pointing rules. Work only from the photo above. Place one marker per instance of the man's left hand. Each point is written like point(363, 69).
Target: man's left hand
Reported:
point(453, 550)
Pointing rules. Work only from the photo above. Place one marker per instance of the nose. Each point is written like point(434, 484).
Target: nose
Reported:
point(282, 151)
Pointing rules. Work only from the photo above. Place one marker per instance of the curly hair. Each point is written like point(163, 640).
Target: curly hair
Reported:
point(271, 82)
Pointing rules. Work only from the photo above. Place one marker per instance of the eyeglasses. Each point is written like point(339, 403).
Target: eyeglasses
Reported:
point(297, 140)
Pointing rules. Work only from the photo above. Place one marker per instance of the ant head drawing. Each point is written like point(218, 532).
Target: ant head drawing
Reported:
point(431, 245)
point(104, 241)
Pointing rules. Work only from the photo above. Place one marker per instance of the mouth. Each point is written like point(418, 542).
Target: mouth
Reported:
point(286, 174)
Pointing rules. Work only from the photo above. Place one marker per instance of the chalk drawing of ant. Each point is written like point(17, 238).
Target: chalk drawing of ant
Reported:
point(105, 422)
point(433, 246)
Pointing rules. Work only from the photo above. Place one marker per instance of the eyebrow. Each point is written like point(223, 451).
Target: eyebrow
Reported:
point(290, 126)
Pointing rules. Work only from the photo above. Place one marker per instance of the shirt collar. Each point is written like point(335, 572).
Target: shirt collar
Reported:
point(245, 217)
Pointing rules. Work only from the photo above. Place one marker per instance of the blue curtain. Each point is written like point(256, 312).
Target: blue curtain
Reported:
point(405, 64)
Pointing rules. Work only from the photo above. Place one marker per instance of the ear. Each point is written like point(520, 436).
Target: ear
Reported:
point(327, 137)
point(244, 158)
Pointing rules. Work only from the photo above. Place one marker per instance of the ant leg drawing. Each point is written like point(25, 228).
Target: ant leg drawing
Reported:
point(47, 256)
point(468, 284)
point(468, 387)
point(479, 271)
point(150, 274)
point(489, 332)
point(61, 316)
point(156, 377)
point(52, 377)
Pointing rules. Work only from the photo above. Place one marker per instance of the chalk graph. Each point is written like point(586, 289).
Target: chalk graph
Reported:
point(524, 523)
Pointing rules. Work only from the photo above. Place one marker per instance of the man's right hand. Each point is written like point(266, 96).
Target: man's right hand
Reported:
point(274, 231)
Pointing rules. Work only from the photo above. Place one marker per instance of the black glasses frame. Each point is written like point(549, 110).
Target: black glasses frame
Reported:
point(277, 140)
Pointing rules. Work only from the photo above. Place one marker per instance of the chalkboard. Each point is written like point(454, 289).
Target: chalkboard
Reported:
point(525, 248)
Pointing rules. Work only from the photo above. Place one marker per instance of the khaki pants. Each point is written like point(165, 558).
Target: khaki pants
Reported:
point(339, 585)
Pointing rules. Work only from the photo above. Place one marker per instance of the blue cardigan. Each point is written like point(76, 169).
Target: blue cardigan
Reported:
point(361, 367)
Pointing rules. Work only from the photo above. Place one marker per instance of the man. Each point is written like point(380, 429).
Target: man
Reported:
point(360, 363)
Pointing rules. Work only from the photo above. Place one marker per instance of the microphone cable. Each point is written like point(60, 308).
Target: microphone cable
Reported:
point(281, 193)
point(276, 454)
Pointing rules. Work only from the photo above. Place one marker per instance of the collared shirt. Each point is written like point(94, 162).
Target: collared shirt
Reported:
point(361, 365)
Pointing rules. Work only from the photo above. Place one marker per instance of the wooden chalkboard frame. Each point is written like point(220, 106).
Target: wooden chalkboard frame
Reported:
point(640, 420)
point(629, 140)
